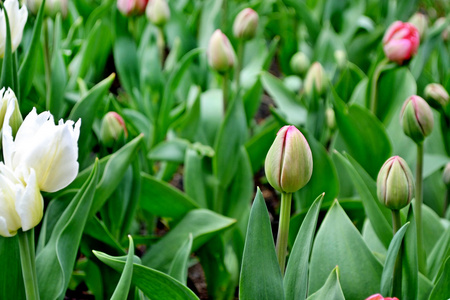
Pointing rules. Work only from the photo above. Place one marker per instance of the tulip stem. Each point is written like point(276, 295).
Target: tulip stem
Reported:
point(418, 209)
point(397, 280)
point(240, 63)
point(161, 42)
point(373, 87)
point(283, 229)
point(28, 261)
point(225, 91)
point(47, 63)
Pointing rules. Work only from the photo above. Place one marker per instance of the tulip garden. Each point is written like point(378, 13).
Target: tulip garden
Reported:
point(254, 150)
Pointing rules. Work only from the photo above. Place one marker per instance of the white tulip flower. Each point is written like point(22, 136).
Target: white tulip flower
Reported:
point(17, 19)
point(50, 150)
point(21, 203)
point(6, 97)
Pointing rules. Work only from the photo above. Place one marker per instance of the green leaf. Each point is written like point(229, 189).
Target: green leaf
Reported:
point(286, 101)
point(123, 287)
point(366, 187)
point(330, 290)
point(96, 229)
point(7, 78)
point(194, 177)
point(441, 289)
point(201, 223)
point(391, 256)
point(27, 69)
point(432, 228)
point(410, 277)
point(260, 273)
point(364, 135)
point(440, 252)
point(55, 262)
point(125, 60)
point(296, 277)
point(153, 283)
point(179, 267)
point(171, 150)
point(304, 13)
point(11, 283)
point(164, 200)
point(338, 243)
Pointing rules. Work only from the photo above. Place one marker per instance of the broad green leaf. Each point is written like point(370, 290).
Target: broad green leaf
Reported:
point(179, 267)
point(211, 109)
point(123, 287)
point(260, 273)
point(125, 60)
point(162, 199)
point(154, 284)
point(424, 288)
point(366, 187)
point(338, 243)
point(171, 150)
point(8, 72)
point(194, 177)
point(410, 278)
point(296, 277)
point(27, 69)
point(11, 280)
point(432, 228)
point(391, 256)
point(364, 135)
point(201, 223)
point(231, 136)
point(440, 252)
point(441, 288)
point(372, 240)
point(286, 101)
point(55, 262)
point(330, 290)
point(96, 229)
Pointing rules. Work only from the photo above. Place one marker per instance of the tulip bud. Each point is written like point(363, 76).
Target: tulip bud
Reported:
point(112, 129)
point(341, 58)
point(315, 80)
point(445, 32)
point(17, 19)
point(220, 52)
point(289, 161)
point(52, 7)
point(132, 7)
point(436, 93)
point(420, 21)
point(380, 297)
point(300, 63)
point(446, 175)
point(8, 101)
point(417, 118)
point(245, 24)
point(331, 118)
point(401, 42)
point(158, 12)
point(395, 184)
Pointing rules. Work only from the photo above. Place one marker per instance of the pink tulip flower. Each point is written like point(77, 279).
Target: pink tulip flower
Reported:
point(401, 42)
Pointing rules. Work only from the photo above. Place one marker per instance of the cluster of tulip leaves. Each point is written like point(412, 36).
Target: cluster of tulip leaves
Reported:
point(127, 228)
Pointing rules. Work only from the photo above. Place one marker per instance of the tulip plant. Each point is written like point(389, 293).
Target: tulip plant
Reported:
point(162, 149)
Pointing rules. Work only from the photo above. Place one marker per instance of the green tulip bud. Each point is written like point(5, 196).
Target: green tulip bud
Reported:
point(331, 118)
point(289, 161)
point(220, 52)
point(315, 79)
point(112, 129)
point(395, 184)
point(8, 101)
point(436, 93)
point(446, 175)
point(417, 118)
point(246, 24)
point(158, 12)
point(421, 22)
point(300, 63)
point(341, 58)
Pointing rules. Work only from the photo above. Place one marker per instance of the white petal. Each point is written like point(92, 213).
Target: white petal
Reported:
point(29, 202)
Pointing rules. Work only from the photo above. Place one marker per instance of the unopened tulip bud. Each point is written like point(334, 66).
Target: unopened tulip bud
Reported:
point(300, 63)
point(395, 184)
point(220, 52)
point(52, 7)
point(420, 21)
point(401, 42)
point(417, 118)
point(289, 161)
point(446, 175)
point(380, 297)
point(158, 12)
point(17, 19)
point(315, 79)
point(331, 118)
point(132, 7)
point(341, 58)
point(445, 33)
point(245, 24)
point(112, 129)
point(437, 93)
point(8, 101)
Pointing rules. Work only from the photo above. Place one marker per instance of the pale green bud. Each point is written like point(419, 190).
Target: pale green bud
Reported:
point(112, 129)
point(341, 58)
point(300, 63)
point(421, 22)
point(158, 12)
point(316, 79)
point(220, 52)
point(446, 175)
point(289, 163)
point(417, 118)
point(395, 184)
point(437, 93)
point(8, 100)
point(246, 24)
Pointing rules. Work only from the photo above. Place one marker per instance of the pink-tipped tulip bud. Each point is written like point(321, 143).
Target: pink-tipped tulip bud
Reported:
point(380, 297)
point(158, 12)
point(315, 80)
point(395, 184)
point(132, 7)
point(446, 175)
point(220, 52)
point(401, 42)
point(246, 24)
point(420, 21)
point(289, 161)
point(437, 94)
point(300, 63)
point(417, 118)
point(112, 129)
